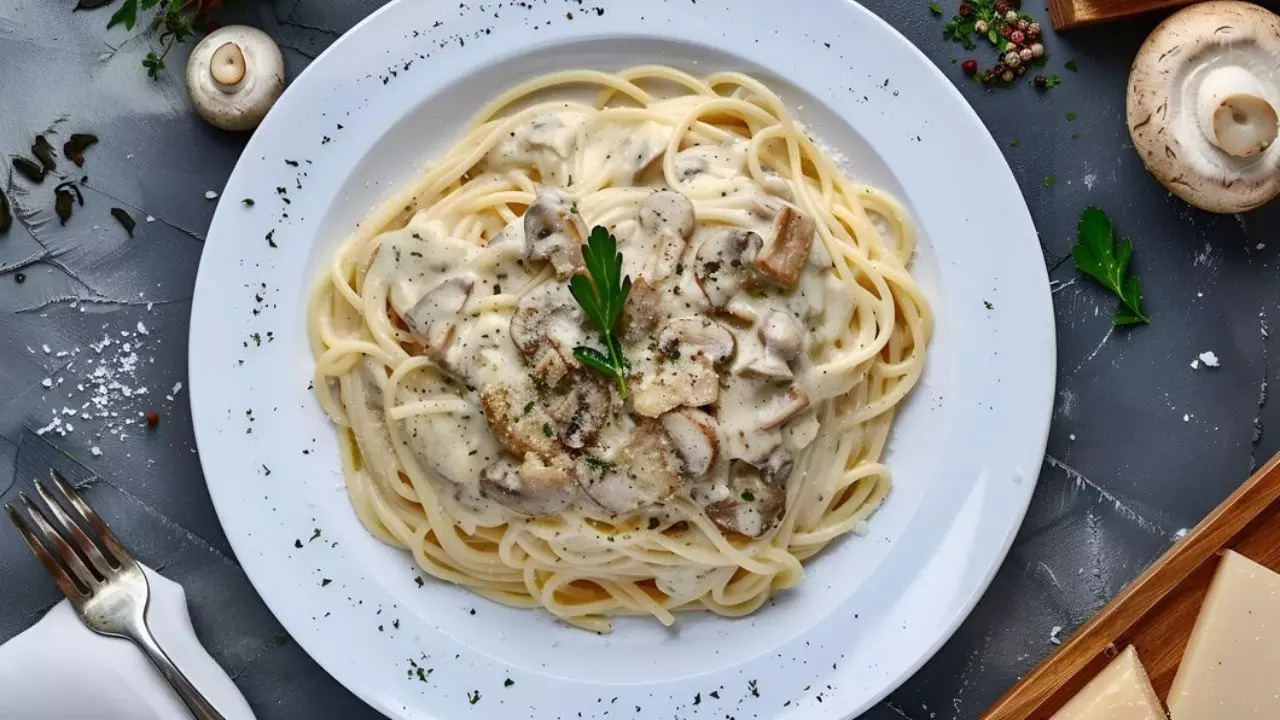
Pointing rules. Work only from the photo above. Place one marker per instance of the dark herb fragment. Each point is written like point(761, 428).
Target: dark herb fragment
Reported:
point(19, 277)
point(44, 153)
point(29, 170)
point(90, 4)
point(74, 148)
point(247, 202)
point(6, 215)
point(325, 581)
point(62, 204)
point(123, 218)
point(297, 543)
point(153, 419)
point(271, 238)
point(508, 682)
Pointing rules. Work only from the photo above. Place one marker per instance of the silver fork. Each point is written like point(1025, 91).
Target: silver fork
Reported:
point(111, 592)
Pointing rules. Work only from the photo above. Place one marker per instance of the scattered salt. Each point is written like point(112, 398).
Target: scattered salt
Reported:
point(151, 218)
point(47, 382)
point(95, 450)
point(1260, 246)
point(1209, 359)
point(1054, 636)
point(142, 329)
point(1072, 437)
point(46, 349)
point(1181, 533)
point(1195, 364)
point(210, 195)
point(1186, 418)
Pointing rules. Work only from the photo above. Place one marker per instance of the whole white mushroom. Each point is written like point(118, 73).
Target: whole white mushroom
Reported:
point(1202, 105)
point(234, 76)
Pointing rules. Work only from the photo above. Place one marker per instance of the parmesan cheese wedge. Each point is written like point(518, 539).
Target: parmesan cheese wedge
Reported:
point(1121, 691)
point(1231, 667)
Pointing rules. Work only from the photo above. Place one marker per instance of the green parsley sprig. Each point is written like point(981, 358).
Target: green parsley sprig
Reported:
point(602, 293)
point(1100, 256)
point(174, 22)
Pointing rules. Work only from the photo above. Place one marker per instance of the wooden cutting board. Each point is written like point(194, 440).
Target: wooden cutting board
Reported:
point(1074, 13)
point(1156, 612)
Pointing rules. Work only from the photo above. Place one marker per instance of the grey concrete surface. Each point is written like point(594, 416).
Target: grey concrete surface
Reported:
point(1142, 444)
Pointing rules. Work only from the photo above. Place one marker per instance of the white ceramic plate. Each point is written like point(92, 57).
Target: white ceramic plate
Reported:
point(390, 95)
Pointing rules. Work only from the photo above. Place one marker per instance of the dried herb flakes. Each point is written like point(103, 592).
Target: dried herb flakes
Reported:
point(124, 219)
point(44, 153)
point(74, 148)
point(29, 170)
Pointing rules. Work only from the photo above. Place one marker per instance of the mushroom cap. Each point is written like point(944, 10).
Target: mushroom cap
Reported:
point(1202, 101)
point(231, 104)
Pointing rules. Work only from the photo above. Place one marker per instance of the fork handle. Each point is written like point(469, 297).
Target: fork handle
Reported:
point(196, 702)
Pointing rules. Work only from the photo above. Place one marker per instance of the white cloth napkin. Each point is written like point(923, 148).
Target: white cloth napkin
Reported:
point(61, 670)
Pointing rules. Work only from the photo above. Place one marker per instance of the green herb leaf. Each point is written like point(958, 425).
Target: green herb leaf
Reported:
point(1098, 255)
point(1050, 181)
point(1052, 81)
point(126, 14)
point(1071, 116)
point(1071, 65)
point(602, 293)
point(935, 8)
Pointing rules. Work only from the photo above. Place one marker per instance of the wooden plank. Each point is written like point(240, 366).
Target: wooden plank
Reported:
point(1156, 612)
point(1074, 13)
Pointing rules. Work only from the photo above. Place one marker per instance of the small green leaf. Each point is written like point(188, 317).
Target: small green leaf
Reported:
point(1071, 116)
point(1050, 181)
point(1098, 255)
point(1053, 80)
point(1071, 65)
point(935, 8)
point(126, 14)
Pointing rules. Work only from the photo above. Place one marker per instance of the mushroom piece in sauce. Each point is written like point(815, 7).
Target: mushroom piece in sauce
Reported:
point(696, 438)
point(718, 264)
point(545, 328)
point(754, 503)
point(518, 419)
point(646, 471)
point(434, 317)
point(642, 311)
point(532, 488)
point(668, 217)
point(783, 407)
point(782, 336)
point(582, 411)
point(782, 255)
point(692, 347)
point(555, 232)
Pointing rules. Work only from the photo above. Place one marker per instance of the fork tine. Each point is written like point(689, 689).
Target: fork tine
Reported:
point(97, 525)
point(60, 576)
point(69, 557)
point(87, 546)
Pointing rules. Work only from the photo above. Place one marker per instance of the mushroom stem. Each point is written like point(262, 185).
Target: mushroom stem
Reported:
point(227, 67)
point(1234, 112)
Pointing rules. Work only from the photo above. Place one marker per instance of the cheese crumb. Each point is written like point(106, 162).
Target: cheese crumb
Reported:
point(1209, 359)
point(47, 382)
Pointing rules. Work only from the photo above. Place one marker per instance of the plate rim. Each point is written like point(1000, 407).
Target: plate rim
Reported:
point(224, 505)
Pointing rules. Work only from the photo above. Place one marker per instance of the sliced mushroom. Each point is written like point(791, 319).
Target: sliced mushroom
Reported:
point(693, 347)
point(532, 488)
point(696, 438)
point(783, 407)
point(782, 337)
point(434, 317)
point(668, 217)
point(555, 232)
point(647, 471)
point(642, 312)
point(698, 338)
point(781, 257)
point(543, 141)
point(519, 420)
point(718, 264)
point(582, 411)
point(754, 503)
point(546, 326)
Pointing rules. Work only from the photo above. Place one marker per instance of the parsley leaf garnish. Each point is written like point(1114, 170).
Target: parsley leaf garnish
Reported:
point(935, 8)
point(601, 293)
point(1101, 257)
